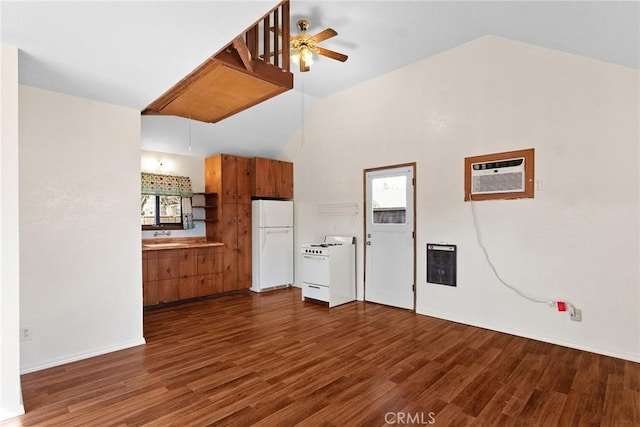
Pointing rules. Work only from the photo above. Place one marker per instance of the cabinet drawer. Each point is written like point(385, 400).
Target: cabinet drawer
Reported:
point(210, 263)
point(168, 290)
point(204, 285)
point(187, 288)
point(150, 293)
point(168, 268)
point(188, 265)
point(151, 266)
point(315, 291)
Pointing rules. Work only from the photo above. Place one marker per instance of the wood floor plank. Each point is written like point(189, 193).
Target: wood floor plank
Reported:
point(270, 359)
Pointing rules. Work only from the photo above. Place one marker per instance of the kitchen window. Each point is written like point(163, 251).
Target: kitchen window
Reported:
point(165, 202)
point(161, 211)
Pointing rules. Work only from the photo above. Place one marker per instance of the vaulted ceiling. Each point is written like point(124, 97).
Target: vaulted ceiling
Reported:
point(129, 53)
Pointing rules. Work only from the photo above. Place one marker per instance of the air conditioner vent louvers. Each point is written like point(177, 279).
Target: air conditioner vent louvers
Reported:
point(505, 176)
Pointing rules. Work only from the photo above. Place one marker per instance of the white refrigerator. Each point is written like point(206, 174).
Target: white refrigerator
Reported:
point(272, 244)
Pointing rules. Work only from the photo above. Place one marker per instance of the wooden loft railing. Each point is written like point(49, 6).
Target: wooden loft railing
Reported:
point(274, 45)
point(252, 68)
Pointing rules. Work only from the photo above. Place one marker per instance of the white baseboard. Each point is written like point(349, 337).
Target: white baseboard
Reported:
point(81, 356)
point(563, 343)
point(8, 414)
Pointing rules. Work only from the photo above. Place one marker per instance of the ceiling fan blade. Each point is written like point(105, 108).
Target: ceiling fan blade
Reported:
point(303, 66)
point(324, 35)
point(331, 54)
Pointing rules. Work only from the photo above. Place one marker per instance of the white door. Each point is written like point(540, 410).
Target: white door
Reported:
point(389, 238)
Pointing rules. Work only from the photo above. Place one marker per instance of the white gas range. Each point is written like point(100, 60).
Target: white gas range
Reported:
point(329, 270)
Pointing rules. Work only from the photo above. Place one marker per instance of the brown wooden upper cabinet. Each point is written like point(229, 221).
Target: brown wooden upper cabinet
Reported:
point(230, 177)
point(272, 178)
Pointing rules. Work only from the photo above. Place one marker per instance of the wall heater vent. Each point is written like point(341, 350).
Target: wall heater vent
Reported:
point(441, 264)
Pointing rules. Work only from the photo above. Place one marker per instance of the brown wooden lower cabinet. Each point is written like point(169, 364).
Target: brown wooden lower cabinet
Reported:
point(168, 290)
point(150, 293)
point(209, 284)
point(177, 274)
point(187, 287)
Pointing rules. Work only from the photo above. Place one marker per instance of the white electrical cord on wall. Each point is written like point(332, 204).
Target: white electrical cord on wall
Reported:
point(551, 303)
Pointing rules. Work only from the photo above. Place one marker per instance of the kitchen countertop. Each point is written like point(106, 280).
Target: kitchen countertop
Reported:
point(179, 243)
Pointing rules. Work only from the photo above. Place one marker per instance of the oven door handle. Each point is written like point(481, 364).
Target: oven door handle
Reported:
point(314, 257)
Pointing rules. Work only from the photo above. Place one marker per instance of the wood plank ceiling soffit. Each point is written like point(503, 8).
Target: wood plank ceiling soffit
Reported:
point(250, 69)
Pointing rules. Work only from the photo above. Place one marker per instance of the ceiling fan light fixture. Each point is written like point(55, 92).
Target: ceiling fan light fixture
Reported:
point(304, 53)
point(304, 47)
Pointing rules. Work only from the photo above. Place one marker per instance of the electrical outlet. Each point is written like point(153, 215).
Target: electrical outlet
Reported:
point(25, 333)
point(576, 314)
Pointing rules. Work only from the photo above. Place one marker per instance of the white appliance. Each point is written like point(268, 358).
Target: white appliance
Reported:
point(329, 270)
point(500, 176)
point(272, 244)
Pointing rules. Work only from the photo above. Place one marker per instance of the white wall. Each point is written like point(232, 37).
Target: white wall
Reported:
point(175, 164)
point(578, 239)
point(80, 263)
point(10, 393)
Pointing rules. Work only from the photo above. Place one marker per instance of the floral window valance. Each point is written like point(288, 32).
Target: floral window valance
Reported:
point(166, 185)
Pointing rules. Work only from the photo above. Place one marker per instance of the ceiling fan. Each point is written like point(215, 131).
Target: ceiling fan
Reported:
point(305, 46)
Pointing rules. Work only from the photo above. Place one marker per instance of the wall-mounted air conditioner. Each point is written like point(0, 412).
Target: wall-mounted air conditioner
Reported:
point(507, 175)
point(502, 176)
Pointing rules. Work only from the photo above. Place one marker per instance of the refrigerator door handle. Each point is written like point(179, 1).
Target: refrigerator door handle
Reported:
point(264, 238)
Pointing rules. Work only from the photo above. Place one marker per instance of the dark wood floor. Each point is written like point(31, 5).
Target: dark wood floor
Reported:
point(270, 359)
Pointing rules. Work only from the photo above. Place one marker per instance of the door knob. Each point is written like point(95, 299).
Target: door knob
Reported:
point(368, 243)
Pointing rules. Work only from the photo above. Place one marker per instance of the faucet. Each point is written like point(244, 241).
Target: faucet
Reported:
point(162, 233)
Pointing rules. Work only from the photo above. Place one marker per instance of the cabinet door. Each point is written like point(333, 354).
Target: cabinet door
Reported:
point(168, 264)
point(168, 290)
point(218, 264)
point(218, 282)
point(150, 293)
point(206, 261)
point(144, 266)
point(244, 246)
point(243, 179)
point(230, 271)
point(152, 266)
point(263, 178)
point(187, 287)
point(204, 285)
point(230, 226)
point(188, 262)
point(229, 175)
point(284, 180)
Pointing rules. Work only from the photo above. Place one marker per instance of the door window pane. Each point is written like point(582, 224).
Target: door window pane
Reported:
point(389, 200)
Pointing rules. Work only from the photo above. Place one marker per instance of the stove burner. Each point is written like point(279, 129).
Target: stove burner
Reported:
point(325, 245)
